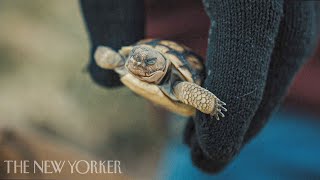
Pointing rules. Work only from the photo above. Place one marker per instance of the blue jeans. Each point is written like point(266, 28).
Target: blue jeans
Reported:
point(287, 148)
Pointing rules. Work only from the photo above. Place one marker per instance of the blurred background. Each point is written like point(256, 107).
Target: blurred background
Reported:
point(44, 51)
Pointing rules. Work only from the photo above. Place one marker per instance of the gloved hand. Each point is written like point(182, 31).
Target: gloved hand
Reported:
point(112, 23)
point(255, 49)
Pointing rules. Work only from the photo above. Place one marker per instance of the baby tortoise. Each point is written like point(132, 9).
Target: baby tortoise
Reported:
point(164, 72)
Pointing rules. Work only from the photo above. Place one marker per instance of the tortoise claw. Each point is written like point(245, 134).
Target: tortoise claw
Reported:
point(220, 108)
point(223, 103)
point(223, 109)
point(217, 117)
point(220, 113)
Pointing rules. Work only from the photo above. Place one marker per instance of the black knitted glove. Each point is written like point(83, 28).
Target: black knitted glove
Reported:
point(113, 23)
point(255, 49)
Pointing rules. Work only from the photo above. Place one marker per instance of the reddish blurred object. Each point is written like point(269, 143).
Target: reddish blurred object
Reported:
point(185, 21)
point(181, 21)
point(305, 90)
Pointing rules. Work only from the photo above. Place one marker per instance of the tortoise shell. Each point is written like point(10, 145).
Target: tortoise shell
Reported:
point(188, 63)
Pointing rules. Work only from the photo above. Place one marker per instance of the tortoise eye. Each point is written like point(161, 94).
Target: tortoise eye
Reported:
point(151, 61)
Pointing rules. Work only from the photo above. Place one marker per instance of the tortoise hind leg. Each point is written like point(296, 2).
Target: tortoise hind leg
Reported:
point(200, 98)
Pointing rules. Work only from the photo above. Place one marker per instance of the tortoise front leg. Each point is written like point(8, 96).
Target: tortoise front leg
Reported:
point(107, 58)
point(200, 98)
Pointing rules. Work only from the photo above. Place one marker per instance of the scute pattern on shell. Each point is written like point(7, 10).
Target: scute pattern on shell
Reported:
point(173, 45)
point(189, 64)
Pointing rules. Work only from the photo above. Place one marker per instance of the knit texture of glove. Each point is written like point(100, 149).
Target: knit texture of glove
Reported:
point(255, 49)
point(113, 23)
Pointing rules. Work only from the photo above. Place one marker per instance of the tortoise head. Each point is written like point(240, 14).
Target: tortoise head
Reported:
point(147, 64)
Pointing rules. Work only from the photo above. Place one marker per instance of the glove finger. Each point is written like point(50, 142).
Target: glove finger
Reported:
point(203, 162)
point(241, 40)
point(295, 42)
point(113, 23)
point(102, 77)
point(199, 159)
